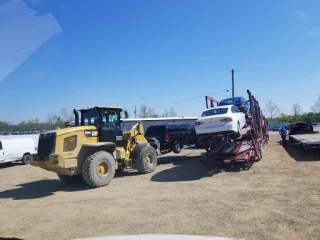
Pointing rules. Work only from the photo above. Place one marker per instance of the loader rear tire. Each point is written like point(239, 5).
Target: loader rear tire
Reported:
point(146, 161)
point(98, 169)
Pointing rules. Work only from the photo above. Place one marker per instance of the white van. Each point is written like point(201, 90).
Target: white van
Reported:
point(16, 150)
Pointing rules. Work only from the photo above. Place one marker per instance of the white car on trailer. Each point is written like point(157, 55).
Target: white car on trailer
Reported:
point(221, 119)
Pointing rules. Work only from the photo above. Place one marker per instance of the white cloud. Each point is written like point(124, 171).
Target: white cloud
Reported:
point(314, 32)
point(301, 15)
point(22, 33)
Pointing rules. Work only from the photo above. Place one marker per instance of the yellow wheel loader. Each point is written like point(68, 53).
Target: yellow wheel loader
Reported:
point(95, 148)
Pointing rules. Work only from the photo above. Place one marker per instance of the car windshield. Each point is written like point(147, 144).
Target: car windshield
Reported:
point(231, 101)
point(215, 111)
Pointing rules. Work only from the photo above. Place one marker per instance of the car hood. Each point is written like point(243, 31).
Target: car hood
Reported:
point(158, 237)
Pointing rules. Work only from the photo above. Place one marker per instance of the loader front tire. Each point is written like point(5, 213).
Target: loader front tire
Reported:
point(146, 161)
point(98, 169)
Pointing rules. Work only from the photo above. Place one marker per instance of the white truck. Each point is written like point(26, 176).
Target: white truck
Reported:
point(16, 149)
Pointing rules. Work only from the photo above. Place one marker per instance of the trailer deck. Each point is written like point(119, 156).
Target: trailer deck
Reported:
point(307, 138)
point(307, 141)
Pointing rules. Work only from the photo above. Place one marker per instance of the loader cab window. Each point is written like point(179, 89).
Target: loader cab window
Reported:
point(90, 117)
point(110, 119)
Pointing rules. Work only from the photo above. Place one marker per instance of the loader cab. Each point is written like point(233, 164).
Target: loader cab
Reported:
point(107, 120)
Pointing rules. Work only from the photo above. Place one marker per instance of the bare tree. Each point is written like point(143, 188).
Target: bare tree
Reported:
point(296, 109)
point(51, 118)
point(66, 116)
point(172, 112)
point(169, 113)
point(316, 106)
point(272, 109)
point(165, 113)
point(143, 113)
point(147, 112)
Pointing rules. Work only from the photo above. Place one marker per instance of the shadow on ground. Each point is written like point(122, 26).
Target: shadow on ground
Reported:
point(296, 152)
point(10, 238)
point(11, 164)
point(40, 189)
point(127, 173)
point(189, 168)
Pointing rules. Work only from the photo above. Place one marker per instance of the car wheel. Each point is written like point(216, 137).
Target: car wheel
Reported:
point(177, 147)
point(26, 159)
point(199, 144)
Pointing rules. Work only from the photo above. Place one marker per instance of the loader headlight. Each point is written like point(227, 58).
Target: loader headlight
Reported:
point(69, 144)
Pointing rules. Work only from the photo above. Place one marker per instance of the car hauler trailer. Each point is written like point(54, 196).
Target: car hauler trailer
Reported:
point(246, 147)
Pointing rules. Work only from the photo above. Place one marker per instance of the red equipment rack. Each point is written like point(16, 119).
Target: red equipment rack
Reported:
point(246, 148)
point(212, 100)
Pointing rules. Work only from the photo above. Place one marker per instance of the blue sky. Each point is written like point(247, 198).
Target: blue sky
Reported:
point(84, 53)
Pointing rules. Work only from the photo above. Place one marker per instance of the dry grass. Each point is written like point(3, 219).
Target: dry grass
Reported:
point(278, 198)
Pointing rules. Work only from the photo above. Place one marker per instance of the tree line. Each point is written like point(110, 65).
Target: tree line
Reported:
point(57, 120)
point(274, 114)
point(53, 121)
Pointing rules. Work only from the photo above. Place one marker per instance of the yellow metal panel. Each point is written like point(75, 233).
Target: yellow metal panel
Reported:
point(119, 153)
point(74, 129)
point(141, 139)
point(69, 163)
point(81, 139)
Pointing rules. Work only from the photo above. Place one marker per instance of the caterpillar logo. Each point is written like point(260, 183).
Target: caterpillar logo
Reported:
point(91, 133)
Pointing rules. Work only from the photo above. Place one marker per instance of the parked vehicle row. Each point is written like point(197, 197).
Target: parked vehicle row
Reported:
point(22, 132)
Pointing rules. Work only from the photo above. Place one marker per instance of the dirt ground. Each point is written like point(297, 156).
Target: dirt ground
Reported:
point(277, 198)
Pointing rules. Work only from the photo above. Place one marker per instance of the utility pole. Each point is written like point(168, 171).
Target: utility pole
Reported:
point(232, 73)
point(135, 112)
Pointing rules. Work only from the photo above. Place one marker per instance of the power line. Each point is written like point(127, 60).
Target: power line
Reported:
point(189, 99)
